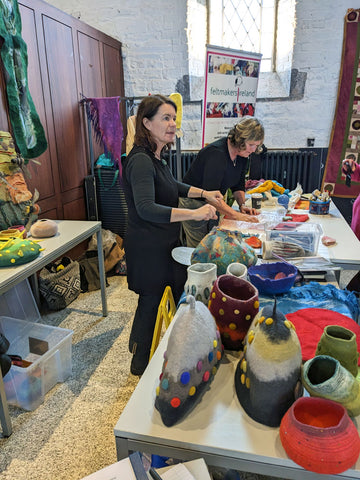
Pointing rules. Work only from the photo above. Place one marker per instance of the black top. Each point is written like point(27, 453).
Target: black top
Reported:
point(213, 169)
point(151, 192)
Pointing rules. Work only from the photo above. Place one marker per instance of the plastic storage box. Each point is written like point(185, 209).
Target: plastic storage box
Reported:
point(307, 235)
point(49, 351)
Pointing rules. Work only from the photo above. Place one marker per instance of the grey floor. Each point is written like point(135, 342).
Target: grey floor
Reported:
point(71, 435)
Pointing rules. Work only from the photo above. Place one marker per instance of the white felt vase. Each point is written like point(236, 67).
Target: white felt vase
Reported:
point(200, 279)
point(237, 269)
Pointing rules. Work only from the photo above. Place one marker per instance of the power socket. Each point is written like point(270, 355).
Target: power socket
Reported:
point(310, 142)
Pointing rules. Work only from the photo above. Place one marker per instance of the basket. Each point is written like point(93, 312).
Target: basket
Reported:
point(319, 208)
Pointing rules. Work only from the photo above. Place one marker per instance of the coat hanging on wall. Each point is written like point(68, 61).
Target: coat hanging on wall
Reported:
point(27, 128)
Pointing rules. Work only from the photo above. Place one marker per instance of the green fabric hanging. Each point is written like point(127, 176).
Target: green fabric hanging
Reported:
point(27, 128)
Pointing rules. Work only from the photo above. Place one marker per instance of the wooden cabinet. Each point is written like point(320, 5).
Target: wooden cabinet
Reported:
point(66, 59)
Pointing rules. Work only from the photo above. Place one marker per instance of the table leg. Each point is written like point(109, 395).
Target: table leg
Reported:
point(122, 448)
point(102, 272)
point(4, 411)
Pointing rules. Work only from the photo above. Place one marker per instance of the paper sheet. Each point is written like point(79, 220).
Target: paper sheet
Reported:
point(177, 472)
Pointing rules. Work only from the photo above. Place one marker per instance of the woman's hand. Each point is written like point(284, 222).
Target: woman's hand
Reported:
point(207, 212)
point(243, 217)
point(213, 196)
point(249, 210)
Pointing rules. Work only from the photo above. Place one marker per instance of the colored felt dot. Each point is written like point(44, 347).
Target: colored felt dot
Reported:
point(221, 311)
point(247, 382)
point(165, 354)
point(261, 319)
point(193, 289)
point(166, 364)
point(269, 321)
point(223, 299)
point(251, 338)
point(185, 378)
point(213, 295)
point(20, 253)
point(217, 334)
point(214, 370)
point(248, 317)
point(242, 378)
point(192, 391)
point(243, 365)
point(293, 326)
point(31, 243)
point(215, 343)
point(288, 324)
point(206, 376)
point(209, 303)
point(206, 292)
point(161, 375)
point(175, 402)
point(157, 391)
point(218, 355)
point(7, 251)
point(33, 249)
point(232, 326)
point(256, 323)
point(199, 366)
point(23, 245)
point(245, 348)
point(165, 384)
point(0, 254)
point(256, 304)
point(236, 311)
point(211, 357)
point(41, 249)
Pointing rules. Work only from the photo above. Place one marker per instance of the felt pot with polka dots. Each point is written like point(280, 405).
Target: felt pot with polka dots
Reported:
point(191, 360)
point(234, 302)
point(268, 376)
point(17, 251)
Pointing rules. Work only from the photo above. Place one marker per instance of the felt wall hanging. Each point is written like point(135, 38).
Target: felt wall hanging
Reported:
point(27, 128)
point(191, 360)
point(345, 135)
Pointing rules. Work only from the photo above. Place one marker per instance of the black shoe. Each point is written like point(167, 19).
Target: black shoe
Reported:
point(139, 360)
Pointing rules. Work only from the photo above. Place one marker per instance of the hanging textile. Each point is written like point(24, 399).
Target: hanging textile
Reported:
point(104, 115)
point(27, 129)
point(345, 135)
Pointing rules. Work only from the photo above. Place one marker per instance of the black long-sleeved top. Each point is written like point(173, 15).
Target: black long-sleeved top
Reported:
point(151, 192)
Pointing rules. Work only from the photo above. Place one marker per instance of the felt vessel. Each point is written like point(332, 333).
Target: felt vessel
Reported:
point(200, 279)
point(234, 302)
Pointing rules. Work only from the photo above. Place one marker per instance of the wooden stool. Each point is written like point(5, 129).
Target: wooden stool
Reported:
point(166, 312)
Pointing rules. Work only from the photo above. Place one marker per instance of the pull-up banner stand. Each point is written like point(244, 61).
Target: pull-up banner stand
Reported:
point(231, 80)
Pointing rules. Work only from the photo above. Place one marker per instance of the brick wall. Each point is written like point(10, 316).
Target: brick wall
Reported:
point(164, 50)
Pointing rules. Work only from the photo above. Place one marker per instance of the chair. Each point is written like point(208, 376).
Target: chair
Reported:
point(166, 312)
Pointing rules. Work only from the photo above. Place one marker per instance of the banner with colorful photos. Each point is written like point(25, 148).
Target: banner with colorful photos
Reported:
point(345, 135)
point(231, 80)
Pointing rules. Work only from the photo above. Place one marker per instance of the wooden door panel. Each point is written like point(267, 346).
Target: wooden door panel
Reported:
point(41, 175)
point(64, 99)
point(91, 81)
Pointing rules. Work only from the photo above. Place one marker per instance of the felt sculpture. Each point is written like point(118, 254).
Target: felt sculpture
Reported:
point(318, 435)
point(234, 302)
point(44, 228)
point(340, 343)
point(17, 251)
point(192, 357)
point(267, 185)
point(267, 378)
point(223, 247)
point(325, 377)
point(311, 322)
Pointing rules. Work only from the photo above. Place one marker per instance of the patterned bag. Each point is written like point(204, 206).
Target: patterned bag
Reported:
point(59, 284)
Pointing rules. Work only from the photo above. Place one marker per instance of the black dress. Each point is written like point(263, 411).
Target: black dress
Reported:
point(151, 192)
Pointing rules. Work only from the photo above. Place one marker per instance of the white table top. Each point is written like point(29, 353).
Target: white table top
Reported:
point(218, 426)
point(70, 233)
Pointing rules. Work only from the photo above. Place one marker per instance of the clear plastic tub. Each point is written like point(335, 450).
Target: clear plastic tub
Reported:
point(49, 351)
point(307, 235)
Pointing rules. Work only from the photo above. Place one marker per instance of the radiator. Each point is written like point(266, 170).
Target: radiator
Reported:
point(287, 167)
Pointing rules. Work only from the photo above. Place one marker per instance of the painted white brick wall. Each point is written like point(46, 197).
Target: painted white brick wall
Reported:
point(156, 56)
